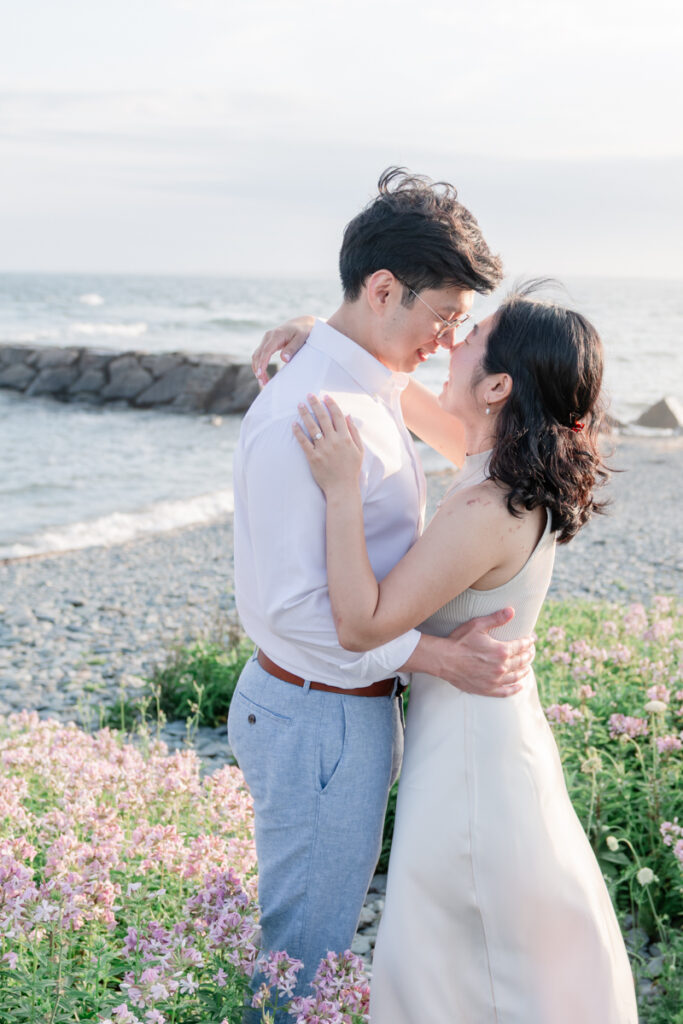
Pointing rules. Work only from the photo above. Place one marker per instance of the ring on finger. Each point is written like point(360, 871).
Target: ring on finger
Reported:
point(318, 436)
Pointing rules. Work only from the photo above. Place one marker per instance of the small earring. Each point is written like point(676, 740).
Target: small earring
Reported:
point(488, 411)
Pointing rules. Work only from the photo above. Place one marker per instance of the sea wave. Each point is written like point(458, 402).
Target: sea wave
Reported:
point(121, 330)
point(22, 337)
point(120, 527)
point(91, 299)
point(229, 323)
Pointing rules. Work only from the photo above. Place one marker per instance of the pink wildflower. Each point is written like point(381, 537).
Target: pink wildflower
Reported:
point(627, 725)
point(669, 830)
point(583, 668)
point(556, 634)
point(340, 991)
point(280, 970)
point(261, 996)
point(660, 630)
point(659, 692)
point(667, 744)
point(586, 691)
point(124, 1015)
point(561, 657)
point(188, 984)
point(563, 713)
point(621, 654)
point(635, 619)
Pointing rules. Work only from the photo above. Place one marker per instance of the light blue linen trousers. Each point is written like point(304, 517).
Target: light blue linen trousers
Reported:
point(319, 767)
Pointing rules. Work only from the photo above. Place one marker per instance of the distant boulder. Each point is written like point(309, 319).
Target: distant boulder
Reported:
point(666, 414)
point(610, 422)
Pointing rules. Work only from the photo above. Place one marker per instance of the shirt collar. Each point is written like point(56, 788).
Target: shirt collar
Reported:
point(368, 372)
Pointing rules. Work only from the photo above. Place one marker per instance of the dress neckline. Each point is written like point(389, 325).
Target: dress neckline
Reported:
point(477, 460)
point(473, 471)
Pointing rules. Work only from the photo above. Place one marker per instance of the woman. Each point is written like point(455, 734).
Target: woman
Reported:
point(496, 909)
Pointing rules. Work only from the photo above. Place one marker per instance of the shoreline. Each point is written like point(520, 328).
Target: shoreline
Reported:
point(76, 627)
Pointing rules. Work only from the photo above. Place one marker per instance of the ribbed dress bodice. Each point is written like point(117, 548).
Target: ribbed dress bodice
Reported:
point(525, 592)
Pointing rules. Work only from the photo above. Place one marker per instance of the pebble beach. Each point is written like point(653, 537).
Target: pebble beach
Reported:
point(78, 627)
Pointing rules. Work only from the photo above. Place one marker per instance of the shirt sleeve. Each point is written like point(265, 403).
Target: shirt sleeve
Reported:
point(285, 511)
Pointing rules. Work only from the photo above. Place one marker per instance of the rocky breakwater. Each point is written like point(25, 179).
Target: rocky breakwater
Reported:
point(176, 381)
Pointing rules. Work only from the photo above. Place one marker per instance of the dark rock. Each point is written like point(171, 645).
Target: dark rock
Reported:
point(654, 967)
point(11, 354)
point(18, 376)
point(636, 939)
point(214, 383)
point(88, 398)
point(126, 378)
point(167, 388)
point(203, 382)
point(49, 357)
point(161, 363)
point(95, 359)
point(664, 415)
point(236, 394)
point(90, 380)
point(53, 381)
point(216, 358)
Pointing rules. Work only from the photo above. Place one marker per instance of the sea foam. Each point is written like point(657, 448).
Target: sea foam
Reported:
point(120, 527)
point(115, 330)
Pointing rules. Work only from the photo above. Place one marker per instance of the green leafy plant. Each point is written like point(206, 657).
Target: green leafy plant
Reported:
point(197, 682)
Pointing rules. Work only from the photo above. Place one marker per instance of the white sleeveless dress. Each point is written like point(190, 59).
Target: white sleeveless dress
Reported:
point(496, 910)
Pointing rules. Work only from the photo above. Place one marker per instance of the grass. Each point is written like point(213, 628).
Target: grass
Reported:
point(611, 679)
point(196, 683)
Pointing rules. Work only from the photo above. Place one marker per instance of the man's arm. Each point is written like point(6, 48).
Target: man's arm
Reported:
point(472, 660)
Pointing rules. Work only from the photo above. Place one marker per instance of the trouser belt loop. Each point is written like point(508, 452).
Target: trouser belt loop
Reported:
point(307, 685)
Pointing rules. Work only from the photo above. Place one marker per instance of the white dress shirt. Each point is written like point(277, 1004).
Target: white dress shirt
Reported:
point(280, 563)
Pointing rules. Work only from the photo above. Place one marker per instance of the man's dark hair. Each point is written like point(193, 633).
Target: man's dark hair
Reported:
point(419, 231)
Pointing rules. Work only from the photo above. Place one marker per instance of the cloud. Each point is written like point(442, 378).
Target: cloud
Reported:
point(260, 120)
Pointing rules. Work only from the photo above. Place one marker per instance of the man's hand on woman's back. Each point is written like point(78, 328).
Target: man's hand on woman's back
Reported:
point(474, 661)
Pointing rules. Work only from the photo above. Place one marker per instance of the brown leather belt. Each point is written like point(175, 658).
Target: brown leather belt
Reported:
point(382, 688)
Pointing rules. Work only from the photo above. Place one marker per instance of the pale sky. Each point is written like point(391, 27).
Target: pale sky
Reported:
point(238, 137)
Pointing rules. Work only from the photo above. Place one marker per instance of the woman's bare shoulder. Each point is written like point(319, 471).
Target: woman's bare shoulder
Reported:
point(485, 507)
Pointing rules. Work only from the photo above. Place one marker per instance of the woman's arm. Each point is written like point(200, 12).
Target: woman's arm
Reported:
point(436, 427)
point(447, 559)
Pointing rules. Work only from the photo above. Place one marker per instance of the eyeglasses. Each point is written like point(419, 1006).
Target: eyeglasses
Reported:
point(448, 325)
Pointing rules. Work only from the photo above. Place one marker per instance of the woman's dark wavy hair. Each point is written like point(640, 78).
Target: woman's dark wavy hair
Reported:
point(417, 229)
point(541, 454)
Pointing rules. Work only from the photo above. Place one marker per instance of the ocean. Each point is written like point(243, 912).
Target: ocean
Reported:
point(75, 475)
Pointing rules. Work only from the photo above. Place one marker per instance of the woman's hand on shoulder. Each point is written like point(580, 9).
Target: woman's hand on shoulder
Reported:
point(332, 446)
point(286, 339)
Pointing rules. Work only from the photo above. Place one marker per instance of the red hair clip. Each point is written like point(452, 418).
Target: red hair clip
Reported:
point(576, 427)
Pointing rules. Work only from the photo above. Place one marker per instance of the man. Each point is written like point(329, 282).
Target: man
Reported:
point(317, 730)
